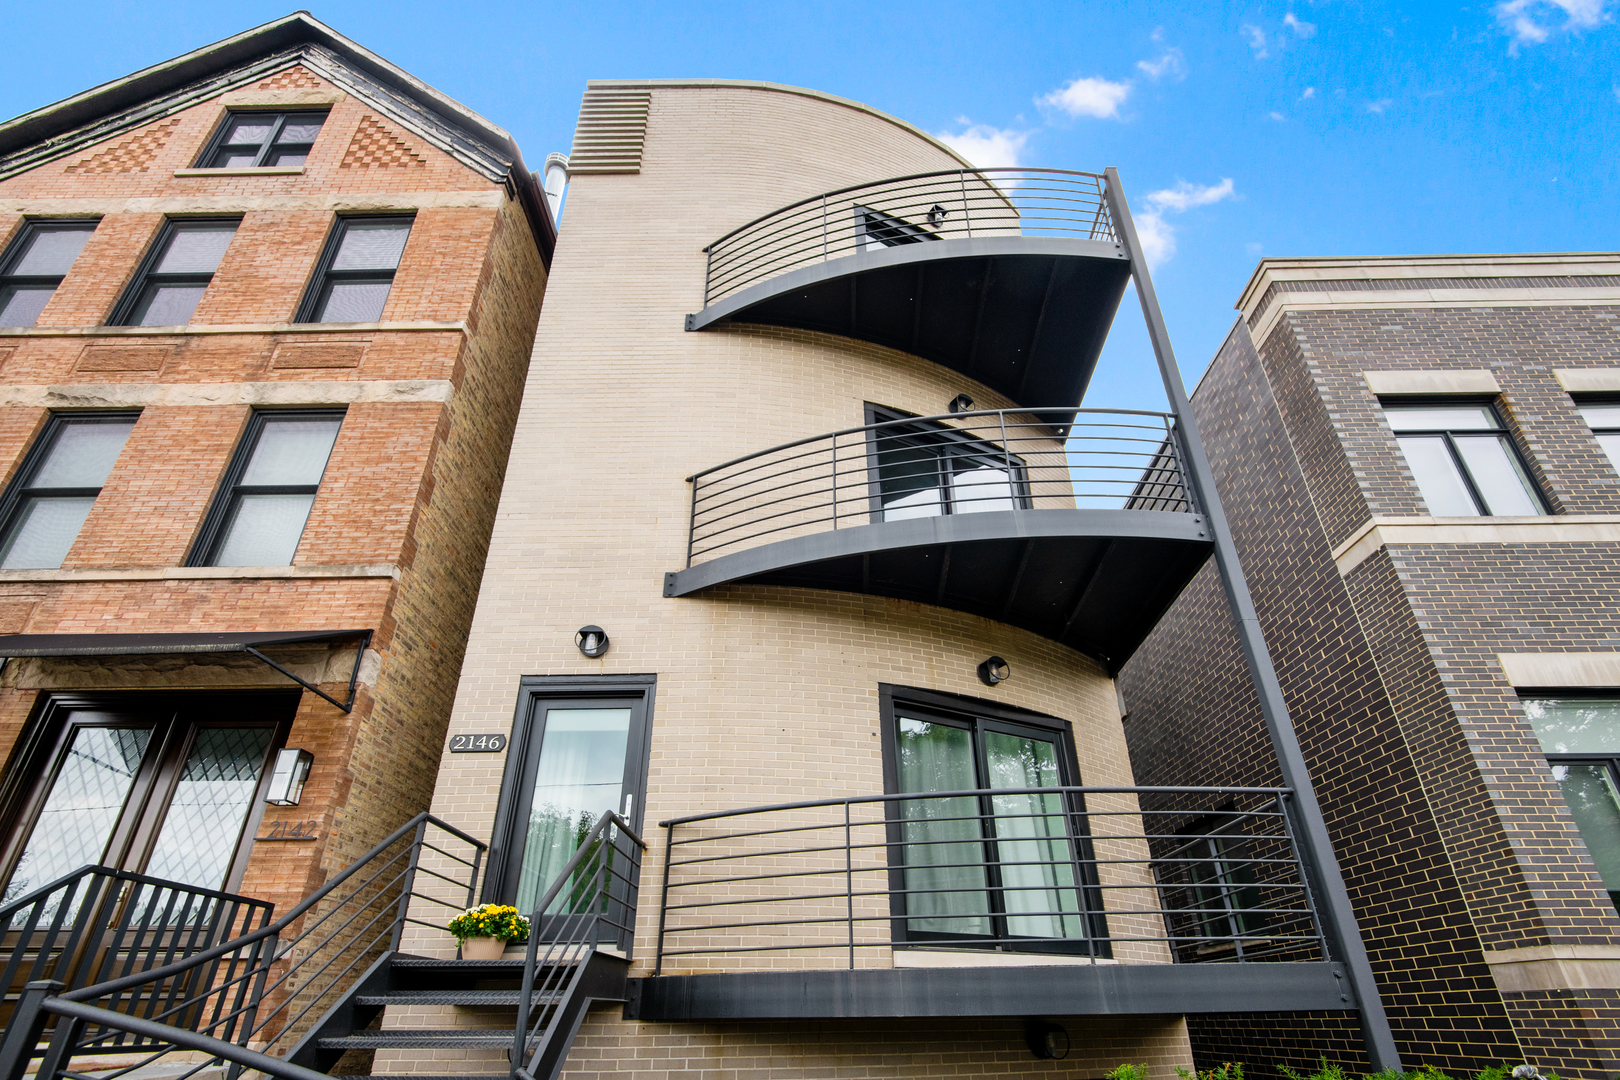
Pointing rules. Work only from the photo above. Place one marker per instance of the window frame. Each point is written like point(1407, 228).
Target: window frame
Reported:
point(130, 298)
point(955, 443)
point(1489, 403)
point(17, 489)
point(876, 229)
point(313, 300)
point(14, 253)
point(212, 532)
point(1609, 760)
point(216, 141)
point(1582, 401)
point(981, 715)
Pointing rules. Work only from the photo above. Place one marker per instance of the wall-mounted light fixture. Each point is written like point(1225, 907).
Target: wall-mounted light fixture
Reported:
point(936, 214)
point(994, 670)
point(288, 777)
point(1049, 1041)
point(592, 641)
point(959, 404)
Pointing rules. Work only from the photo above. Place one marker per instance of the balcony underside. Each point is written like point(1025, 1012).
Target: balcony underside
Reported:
point(1079, 990)
point(1094, 580)
point(1026, 316)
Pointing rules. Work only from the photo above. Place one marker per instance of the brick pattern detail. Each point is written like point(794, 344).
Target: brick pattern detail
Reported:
point(134, 154)
point(1570, 1032)
point(296, 77)
point(376, 147)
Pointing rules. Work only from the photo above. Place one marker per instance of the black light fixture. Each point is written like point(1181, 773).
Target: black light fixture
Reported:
point(936, 214)
point(1049, 1041)
point(994, 670)
point(592, 641)
point(288, 777)
point(959, 404)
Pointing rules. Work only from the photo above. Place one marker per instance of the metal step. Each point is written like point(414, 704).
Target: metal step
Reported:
point(491, 1038)
point(514, 964)
point(455, 1076)
point(453, 997)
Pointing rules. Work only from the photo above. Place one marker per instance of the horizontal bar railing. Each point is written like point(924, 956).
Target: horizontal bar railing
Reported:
point(1112, 874)
point(926, 207)
point(954, 463)
point(263, 985)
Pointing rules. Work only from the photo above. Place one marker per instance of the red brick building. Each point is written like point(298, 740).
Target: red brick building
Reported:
point(265, 316)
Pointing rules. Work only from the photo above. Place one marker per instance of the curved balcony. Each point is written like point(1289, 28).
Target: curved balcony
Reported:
point(1009, 276)
point(1073, 524)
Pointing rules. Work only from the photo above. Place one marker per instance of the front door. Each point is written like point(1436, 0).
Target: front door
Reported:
point(576, 758)
point(166, 787)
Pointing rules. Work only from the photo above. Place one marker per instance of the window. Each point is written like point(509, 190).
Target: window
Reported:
point(174, 274)
point(356, 270)
point(251, 140)
point(269, 489)
point(1462, 458)
point(1604, 419)
point(58, 483)
point(988, 867)
point(928, 470)
point(34, 266)
point(875, 229)
point(1581, 738)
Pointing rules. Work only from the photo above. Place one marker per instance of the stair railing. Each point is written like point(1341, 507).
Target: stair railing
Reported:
point(593, 898)
point(254, 989)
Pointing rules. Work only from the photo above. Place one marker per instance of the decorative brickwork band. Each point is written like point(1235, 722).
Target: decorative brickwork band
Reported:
point(375, 147)
point(134, 154)
point(612, 129)
point(293, 78)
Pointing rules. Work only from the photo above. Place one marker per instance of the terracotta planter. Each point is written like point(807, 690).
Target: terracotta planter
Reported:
point(482, 948)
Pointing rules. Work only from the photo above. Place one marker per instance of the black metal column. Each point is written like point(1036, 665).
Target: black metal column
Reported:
point(1333, 902)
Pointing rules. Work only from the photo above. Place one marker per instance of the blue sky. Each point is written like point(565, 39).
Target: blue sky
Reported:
point(1240, 130)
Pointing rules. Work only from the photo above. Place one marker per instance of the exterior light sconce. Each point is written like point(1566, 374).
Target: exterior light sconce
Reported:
point(1048, 1041)
point(592, 641)
point(961, 403)
point(994, 670)
point(936, 214)
point(288, 777)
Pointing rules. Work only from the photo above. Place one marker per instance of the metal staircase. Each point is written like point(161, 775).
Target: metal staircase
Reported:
point(285, 998)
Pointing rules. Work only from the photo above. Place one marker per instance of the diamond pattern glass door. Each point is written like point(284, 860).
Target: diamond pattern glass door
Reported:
point(209, 806)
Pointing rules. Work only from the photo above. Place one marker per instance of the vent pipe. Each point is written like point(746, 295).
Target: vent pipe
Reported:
point(556, 180)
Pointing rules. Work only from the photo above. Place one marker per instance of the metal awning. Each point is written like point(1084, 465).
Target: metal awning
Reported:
point(247, 641)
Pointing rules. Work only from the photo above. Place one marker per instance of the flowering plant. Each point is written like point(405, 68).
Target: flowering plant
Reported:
point(499, 921)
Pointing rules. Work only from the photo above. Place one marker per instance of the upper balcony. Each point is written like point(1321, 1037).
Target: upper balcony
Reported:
point(1009, 276)
point(1073, 524)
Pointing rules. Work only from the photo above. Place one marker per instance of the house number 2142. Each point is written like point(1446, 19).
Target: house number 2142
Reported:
point(477, 744)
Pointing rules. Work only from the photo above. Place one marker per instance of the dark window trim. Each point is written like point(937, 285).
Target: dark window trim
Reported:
point(955, 441)
point(976, 712)
point(505, 846)
point(14, 250)
point(1610, 760)
point(1489, 401)
point(309, 305)
point(18, 489)
point(203, 550)
point(1583, 399)
point(217, 139)
point(873, 226)
point(28, 775)
point(131, 296)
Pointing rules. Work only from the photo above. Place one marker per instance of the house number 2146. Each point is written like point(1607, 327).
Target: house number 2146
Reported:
point(477, 744)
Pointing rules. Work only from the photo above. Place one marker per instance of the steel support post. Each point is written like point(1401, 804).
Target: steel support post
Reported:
point(1323, 866)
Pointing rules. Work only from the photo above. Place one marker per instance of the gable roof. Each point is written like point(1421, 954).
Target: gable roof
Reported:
point(152, 93)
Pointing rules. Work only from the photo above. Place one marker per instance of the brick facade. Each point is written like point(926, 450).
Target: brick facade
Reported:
point(1456, 845)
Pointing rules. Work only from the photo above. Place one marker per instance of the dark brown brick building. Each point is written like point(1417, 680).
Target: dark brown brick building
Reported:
point(265, 317)
point(1418, 460)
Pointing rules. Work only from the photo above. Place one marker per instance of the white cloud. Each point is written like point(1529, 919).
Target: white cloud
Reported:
point(1257, 40)
point(1088, 97)
point(1378, 107)
point(1157, 235)
point(986, 146)
point(1276, 116)
point(1526, 21)
point(1310, 92)
point(1170, 65)
point(1300, 29)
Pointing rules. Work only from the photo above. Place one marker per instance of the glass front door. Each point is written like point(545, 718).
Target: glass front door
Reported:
point(167, 790)
point(986, 866)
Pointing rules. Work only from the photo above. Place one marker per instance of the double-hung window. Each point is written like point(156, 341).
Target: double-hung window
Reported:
point(1463, 459)
point(1603, 417)
point(251, 140)
point(356, 271)
point(1581, 738)
point(175, 273)
point(46, 506)
point(925, 469)
point(34, 266)
point(260, 513)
